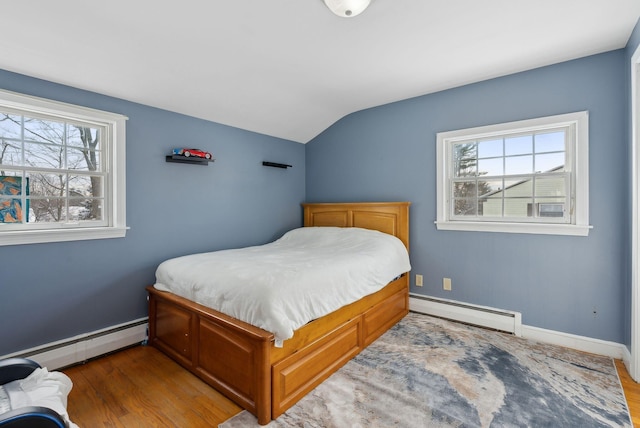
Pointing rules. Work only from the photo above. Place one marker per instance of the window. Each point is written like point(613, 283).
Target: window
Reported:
point(523, 177)
point(62, 171)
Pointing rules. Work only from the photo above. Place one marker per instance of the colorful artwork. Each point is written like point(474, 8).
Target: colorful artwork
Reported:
point(11, 208)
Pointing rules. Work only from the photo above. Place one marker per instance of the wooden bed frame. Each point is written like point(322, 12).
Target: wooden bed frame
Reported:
point(241, 361)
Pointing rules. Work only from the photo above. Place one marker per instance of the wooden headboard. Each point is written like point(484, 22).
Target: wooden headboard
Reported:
point(387, 217)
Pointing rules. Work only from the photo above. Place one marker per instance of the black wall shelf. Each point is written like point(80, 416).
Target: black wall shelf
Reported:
point(190, 160)
point(277, 165)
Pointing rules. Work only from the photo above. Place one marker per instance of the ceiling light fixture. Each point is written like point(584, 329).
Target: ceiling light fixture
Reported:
point(347, 8)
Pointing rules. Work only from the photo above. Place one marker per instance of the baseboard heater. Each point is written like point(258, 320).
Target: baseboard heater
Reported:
point(83, 347)
point(482, 316)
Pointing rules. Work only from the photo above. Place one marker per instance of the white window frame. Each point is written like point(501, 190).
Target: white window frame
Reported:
point(115, 168)
point(577, 165)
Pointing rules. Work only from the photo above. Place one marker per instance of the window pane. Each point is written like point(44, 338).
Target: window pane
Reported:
point(47, 210)
point(10, 153)
point(490, 148)
point(44, 155)
point(464, 189)
point(550, 186)
point(522, 145)
point(76, 160)
point(492, 207)
point(84, 136)
point(464, 159)
point(490, 167)
point(85, 209)
point(10, 184)
point(550, 142)
point(44, 131)
point(84, 186)
point(490, 188)
point(11, 210)
point(550, 162)
point(466, 168)
point(518, 188)
point(517, 207)
point(12, 174)
point(11, 203)
point(10, 126)
point(465, 207)
point(518, 165)
point(44, 185)
point(465, 150)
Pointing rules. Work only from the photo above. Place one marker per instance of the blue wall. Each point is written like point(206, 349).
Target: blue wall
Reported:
point(571, 284)
point(55, 291)
point(58, 290)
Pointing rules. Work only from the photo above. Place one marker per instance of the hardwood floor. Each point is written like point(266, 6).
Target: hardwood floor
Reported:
point(631, 392)
point(141, 387)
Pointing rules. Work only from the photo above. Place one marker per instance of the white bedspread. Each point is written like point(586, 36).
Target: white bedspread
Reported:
point(308, 273)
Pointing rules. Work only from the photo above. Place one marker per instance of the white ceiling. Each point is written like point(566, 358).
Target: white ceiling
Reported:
point(290, 68)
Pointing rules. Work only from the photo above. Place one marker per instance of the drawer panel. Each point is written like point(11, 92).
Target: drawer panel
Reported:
point(299, 373)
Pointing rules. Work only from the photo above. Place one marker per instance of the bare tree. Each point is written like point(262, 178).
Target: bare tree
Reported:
point(466, 192)
point(90, 143)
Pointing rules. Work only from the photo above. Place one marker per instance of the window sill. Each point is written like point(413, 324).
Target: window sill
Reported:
point(530, 228)
point(43, 236)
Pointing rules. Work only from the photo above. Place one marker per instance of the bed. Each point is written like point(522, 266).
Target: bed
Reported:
point(245, 362)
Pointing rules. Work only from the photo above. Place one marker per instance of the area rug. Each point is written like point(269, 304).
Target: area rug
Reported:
point(429, 372)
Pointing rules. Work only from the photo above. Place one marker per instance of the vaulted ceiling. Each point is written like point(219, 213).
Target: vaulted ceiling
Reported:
point(290, 68)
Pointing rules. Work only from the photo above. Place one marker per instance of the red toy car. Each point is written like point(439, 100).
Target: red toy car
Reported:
point(192, 152)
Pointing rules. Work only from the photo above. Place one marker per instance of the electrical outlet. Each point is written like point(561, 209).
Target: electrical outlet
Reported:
point(418, 280)
point(446, 284)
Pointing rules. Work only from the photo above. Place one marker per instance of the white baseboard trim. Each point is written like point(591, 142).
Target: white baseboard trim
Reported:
point(83, 347)
point(626, 359)
point(484, 316)
point(581, 343)
point(478, 315)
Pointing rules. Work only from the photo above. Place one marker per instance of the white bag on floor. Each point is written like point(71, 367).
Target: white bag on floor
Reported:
point(42, 388)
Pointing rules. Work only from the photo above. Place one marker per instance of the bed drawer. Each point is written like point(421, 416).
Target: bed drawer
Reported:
point(174, 331)
point(382, 316)
point(298, 374)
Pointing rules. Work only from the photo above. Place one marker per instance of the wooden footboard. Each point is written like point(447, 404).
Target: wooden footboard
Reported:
point(228, 354)
point(241, 361)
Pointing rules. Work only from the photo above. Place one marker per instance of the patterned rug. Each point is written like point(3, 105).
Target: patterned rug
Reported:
point(429, 372)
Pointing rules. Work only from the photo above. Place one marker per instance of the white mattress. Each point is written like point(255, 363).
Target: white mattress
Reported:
point(281, 286)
